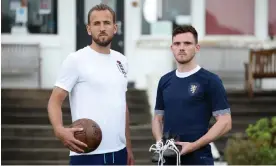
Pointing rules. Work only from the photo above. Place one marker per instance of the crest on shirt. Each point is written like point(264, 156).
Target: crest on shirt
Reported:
point(121, 68)
point(193, 88)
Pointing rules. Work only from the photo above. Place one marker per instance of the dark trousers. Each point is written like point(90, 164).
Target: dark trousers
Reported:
point(113, 158)
point(190, 159)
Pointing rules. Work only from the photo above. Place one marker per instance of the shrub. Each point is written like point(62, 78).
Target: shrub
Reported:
point(257, 147)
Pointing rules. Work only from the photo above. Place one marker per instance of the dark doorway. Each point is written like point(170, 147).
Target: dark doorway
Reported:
point(83, 39)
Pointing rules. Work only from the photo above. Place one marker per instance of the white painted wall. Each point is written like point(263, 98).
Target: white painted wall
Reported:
point(150, 60)
point(132, 34)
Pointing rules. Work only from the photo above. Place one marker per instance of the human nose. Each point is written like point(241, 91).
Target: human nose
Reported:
point(102, 27)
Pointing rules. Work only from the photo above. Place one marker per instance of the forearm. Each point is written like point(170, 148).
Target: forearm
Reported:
point(55, 114)
point(128, 140)
point(217, 130)
point(157, 126)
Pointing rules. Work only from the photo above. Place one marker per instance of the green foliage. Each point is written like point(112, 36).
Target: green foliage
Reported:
point(258, 147)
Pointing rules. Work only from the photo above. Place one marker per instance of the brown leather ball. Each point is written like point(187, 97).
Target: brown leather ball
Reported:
point(91, 134)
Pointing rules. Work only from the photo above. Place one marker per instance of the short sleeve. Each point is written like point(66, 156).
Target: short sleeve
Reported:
point(68, 74)
point(218, 97)
point(159, 105)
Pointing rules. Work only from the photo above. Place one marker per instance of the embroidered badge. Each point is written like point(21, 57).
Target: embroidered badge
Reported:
point(121, 68)
point(193, 88)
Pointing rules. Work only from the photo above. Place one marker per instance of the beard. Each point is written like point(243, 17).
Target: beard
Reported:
point(185, 61)
point(102, 43)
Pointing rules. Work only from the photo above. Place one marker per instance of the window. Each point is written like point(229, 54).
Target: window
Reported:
point(220, 14)
point(167, 10)
point(41, 15)
point(171, 9)
point(272, 18)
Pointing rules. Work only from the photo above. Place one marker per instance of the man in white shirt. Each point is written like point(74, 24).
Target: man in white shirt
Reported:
point(95, 78)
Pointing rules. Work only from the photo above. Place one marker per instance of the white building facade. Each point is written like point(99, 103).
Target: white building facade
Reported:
point(227, 26)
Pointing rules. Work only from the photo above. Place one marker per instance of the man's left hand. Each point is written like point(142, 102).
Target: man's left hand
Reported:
point(130, 158)
point(187, 147)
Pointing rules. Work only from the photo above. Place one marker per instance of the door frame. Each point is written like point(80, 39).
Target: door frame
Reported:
point(81, 33)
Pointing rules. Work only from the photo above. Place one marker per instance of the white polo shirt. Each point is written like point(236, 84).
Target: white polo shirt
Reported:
point(97, 85)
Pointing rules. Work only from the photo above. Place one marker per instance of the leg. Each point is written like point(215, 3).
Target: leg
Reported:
point(206, 161)
point(119, 157)
point(184, 160)
point(190, 159)
point(97, 159)
point(198, 160)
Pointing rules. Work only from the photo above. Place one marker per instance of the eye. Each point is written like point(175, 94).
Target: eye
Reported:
point(188, 43)
point(176, 43)
point(107, 22)
point(97, 23)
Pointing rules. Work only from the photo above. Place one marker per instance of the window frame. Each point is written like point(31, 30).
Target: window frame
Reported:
point(260, 23)
point(44, 34)
point(198, 12)
point(268, 20)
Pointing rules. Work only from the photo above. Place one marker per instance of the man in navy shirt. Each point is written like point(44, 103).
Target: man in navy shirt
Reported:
point(186, 100)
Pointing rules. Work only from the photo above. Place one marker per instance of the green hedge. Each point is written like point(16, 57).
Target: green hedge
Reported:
point(257, 147)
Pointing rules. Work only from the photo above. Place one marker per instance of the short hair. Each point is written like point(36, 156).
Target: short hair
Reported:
point(185, 29)
point(101, 7)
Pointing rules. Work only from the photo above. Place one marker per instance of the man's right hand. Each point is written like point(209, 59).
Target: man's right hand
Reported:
point(66, 135)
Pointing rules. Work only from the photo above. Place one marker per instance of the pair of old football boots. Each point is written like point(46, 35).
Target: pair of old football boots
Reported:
point(166, 147)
